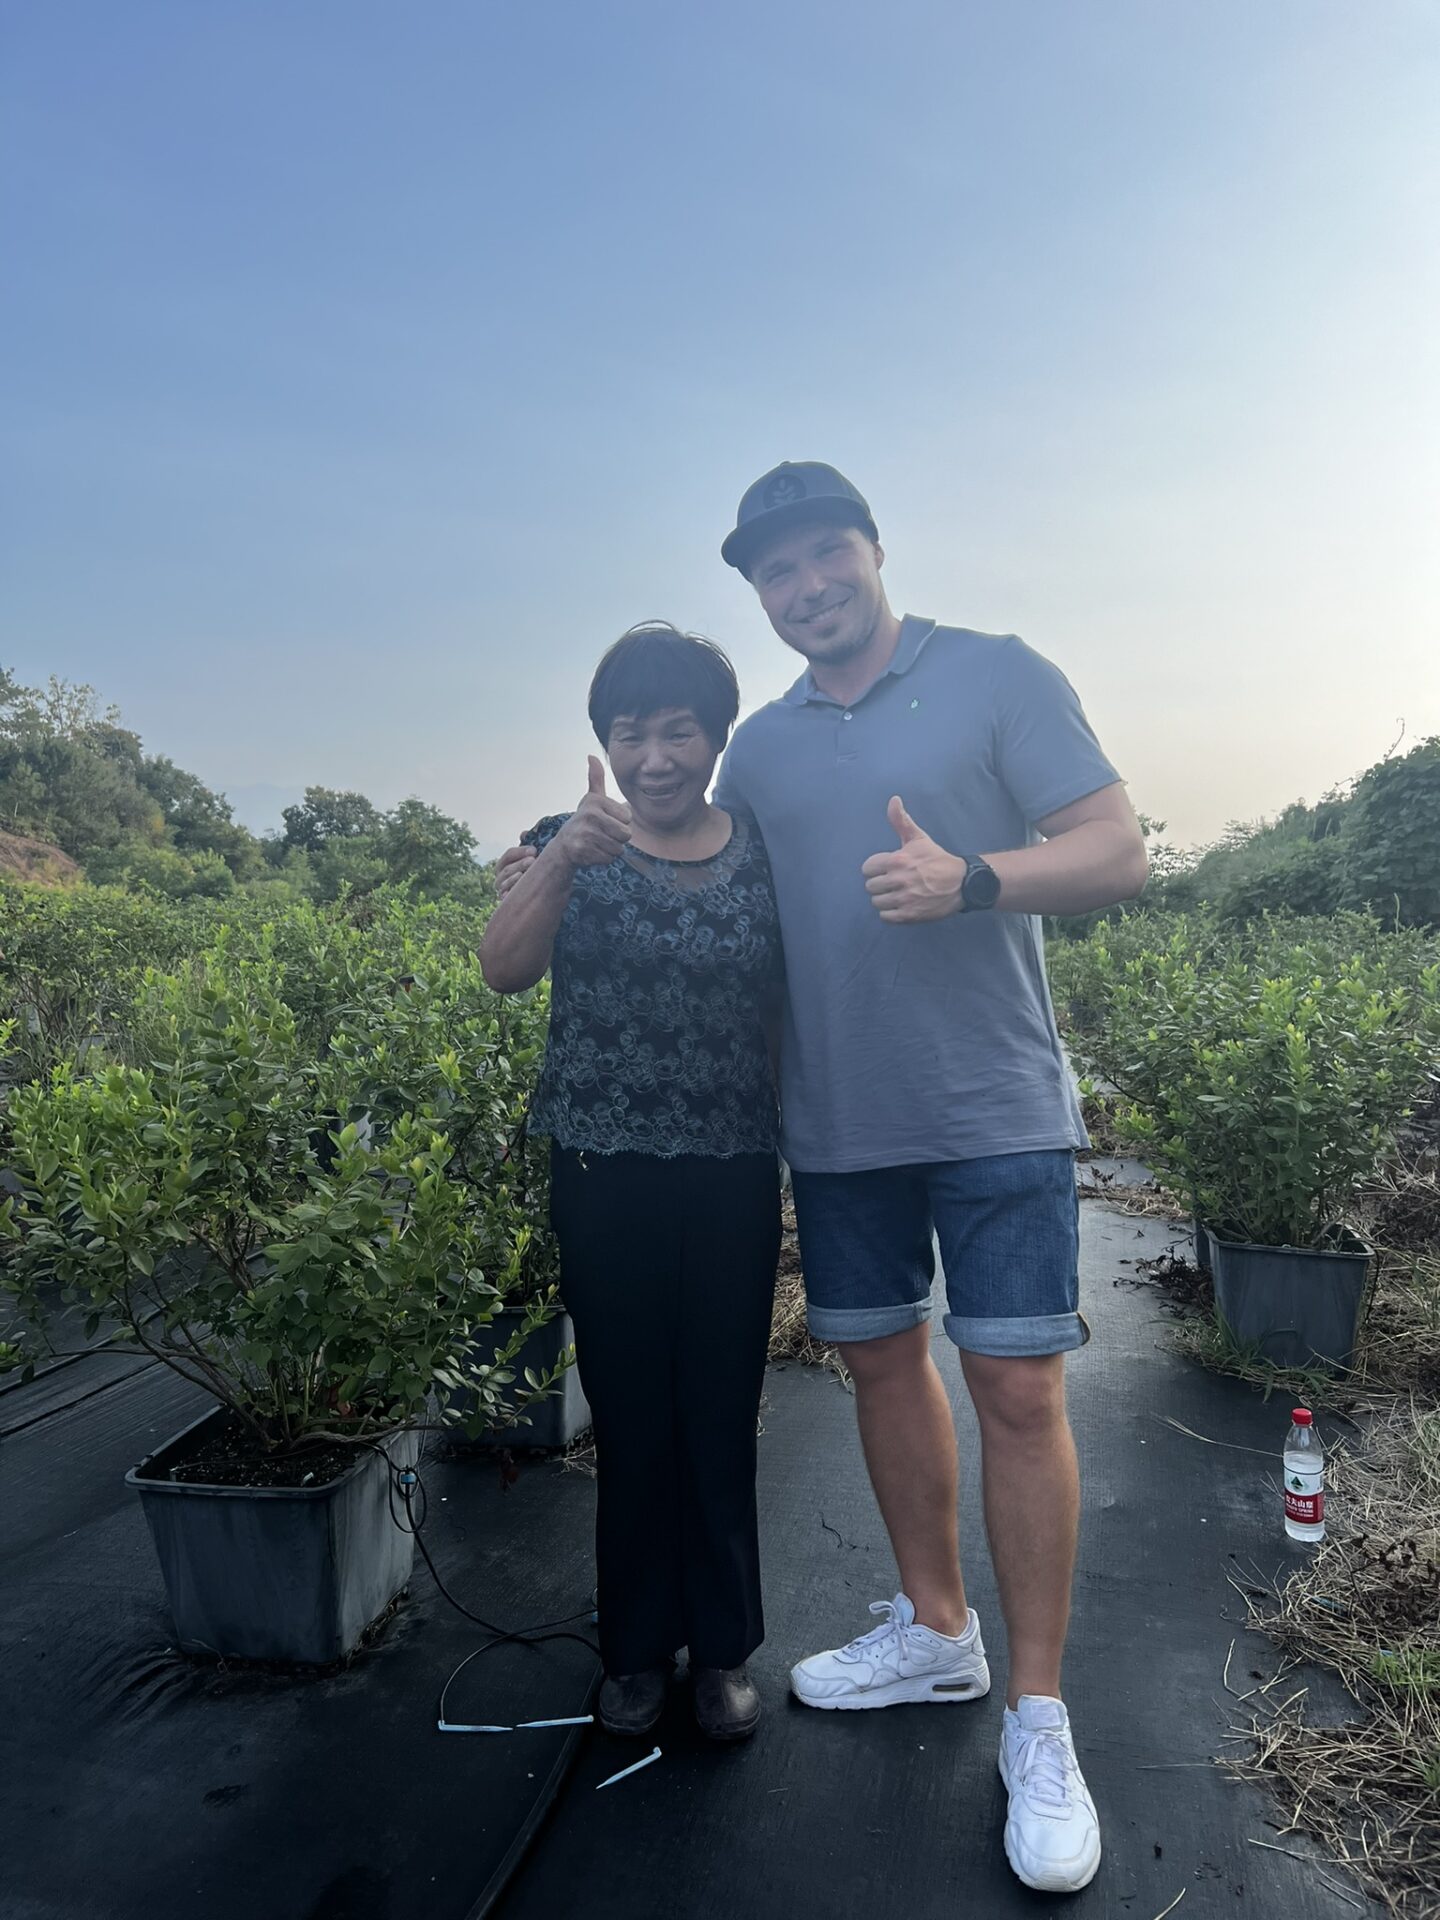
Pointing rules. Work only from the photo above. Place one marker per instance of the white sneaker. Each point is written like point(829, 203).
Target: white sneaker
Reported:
point(895, 1661)
point(1052, 1837)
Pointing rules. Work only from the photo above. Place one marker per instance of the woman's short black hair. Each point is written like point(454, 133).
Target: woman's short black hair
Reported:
point(655, 666)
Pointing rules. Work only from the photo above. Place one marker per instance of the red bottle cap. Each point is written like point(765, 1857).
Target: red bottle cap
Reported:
point(1302, 1416)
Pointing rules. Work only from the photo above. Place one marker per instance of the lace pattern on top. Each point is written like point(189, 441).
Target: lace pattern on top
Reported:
point(661, 977)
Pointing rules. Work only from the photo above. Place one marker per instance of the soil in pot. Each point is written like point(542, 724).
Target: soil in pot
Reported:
point(234, 1458)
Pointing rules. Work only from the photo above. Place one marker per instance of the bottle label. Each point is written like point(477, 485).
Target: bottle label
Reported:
point(1305, 1497)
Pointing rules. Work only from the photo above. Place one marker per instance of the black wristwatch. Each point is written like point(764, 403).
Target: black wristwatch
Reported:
point(980, 888)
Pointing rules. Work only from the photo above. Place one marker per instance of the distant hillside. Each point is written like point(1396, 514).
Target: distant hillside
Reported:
point(22, 858)
point(78, 788)
point(1373, 846)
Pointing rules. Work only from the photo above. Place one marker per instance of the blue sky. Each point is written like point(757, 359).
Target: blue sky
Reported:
point(367, 369)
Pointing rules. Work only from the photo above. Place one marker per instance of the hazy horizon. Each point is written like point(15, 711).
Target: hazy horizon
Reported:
point(366, 374)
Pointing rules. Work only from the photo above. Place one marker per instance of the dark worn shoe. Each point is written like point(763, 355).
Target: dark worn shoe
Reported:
point(631, 1703)
point(727, 1703)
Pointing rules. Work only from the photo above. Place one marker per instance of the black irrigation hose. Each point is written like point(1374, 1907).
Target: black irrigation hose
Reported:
point(412, 1492)
point(540, 1811)
point(410, 1485)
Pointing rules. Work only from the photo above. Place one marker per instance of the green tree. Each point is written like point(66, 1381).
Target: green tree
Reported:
point(347, 863)
point(198, 820)
point(68, 769)
point(327, 814)
point(424, 846)
point(202, 875)
point(1392, 842)
point(1297, 876)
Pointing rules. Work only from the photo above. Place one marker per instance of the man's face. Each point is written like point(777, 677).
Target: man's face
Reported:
point(820, 587)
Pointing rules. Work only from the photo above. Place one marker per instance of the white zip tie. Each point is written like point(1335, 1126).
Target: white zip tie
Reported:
point(455, 1726)
point(625, 1772)
point(580, 1720)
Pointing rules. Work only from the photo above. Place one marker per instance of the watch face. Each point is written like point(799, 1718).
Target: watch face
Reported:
point(981, 887)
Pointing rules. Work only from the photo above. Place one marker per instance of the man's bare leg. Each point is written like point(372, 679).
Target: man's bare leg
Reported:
point(908, 1433)
point(1032, 1507)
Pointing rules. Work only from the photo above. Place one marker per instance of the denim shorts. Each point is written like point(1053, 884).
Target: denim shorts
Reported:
point(1009, 1233)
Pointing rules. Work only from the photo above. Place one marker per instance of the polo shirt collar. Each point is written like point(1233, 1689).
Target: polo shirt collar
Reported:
point(915, 633)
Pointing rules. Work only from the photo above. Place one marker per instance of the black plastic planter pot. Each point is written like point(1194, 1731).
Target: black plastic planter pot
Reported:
point(293, 1574)
point(1298, 1305)
point(554, 1421)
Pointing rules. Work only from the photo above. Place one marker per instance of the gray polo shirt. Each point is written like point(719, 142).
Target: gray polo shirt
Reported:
point(904, 1044)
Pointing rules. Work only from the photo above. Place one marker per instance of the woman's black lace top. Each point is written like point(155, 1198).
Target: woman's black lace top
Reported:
point(663, 976)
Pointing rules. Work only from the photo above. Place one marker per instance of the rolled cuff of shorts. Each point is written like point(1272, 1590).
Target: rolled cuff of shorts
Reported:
point(1018, 1339)
point(838, 1325)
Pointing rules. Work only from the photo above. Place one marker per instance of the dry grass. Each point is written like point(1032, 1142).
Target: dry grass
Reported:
point(1399, 1212)
point(1400, 1208)
point(1398, 1354)
point(1151, 1201)
point(579, 1456)
point(1400, 1342)
point(1367, 1608)
point(1397, 1358)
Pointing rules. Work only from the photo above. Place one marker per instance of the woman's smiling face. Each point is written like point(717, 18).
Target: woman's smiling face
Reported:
point(663, 763)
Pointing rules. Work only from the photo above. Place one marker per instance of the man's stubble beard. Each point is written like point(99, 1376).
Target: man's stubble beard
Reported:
point(837, 655)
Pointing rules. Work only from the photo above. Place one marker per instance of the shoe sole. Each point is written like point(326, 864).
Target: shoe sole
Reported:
point(1059, 1879)
point(728, 1736)
point(630, 1732)
point(917, 1692)
point(630, 1729)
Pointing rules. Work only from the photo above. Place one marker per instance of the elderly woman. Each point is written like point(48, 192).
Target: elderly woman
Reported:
point(656, 917)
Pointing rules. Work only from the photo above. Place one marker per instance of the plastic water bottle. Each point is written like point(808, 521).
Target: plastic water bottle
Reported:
point(1304, 1479)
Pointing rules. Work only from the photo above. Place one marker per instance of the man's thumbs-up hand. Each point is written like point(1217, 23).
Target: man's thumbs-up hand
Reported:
point(599, 826)
point(918, 882)
point(900, 820)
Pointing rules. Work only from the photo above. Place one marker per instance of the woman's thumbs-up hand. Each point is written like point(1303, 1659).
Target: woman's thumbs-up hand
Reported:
point(919, 881)
point(592, 837)
point(599, 826)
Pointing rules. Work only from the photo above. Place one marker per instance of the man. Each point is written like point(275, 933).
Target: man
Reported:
point(925, 793)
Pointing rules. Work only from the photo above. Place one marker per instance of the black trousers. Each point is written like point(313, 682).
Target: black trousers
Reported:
point(668, 1270)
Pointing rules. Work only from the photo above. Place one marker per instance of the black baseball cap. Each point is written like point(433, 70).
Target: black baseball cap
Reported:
point(787, 496)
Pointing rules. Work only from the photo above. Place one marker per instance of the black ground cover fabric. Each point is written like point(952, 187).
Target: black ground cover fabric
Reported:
point(135, 1785)
point(898, 1814)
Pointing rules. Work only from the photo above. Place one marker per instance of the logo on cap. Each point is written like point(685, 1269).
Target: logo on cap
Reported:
point(783, 491)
